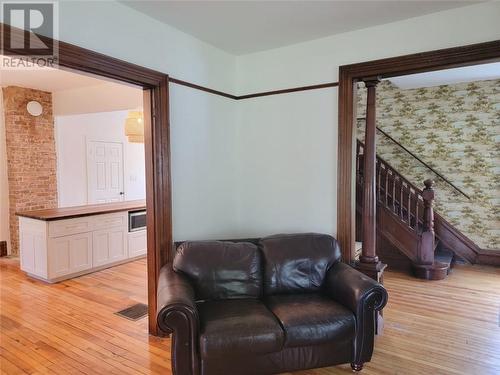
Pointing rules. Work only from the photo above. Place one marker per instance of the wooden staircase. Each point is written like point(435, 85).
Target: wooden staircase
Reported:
point(405, 221)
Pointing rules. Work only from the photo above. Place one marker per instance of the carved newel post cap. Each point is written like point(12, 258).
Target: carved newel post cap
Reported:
point(429, 183)
point(428, 192)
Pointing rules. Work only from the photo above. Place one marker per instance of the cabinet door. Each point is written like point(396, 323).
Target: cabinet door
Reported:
point(33, 246)
point(32, 250)
point(137, 244)
point(109, 246)
point(70, 254)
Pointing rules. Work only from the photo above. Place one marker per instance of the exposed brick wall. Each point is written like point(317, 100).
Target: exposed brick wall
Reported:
point(31, 155)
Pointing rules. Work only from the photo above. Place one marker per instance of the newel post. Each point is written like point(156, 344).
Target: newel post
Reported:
point(426, 248)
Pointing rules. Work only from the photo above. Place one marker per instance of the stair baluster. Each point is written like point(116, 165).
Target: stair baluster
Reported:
point(386, 188)
point(379, 178)
point(401, 200)
point(426, 247)
point(417, 213)
point(408, 205)
point(393, 191)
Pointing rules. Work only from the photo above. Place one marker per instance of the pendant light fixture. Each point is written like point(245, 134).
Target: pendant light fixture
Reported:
point(134, 127)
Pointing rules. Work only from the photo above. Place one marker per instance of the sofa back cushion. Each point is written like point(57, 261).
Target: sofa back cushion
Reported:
point(297, 263)
point(221, 270)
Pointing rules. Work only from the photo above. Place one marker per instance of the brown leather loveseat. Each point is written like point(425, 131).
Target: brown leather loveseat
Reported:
point(285, 303)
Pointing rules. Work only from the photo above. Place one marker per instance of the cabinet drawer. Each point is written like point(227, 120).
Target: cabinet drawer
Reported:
point(110, 220)
point(67, 227)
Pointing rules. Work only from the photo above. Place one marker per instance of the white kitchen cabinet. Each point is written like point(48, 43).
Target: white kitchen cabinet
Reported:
point(137, 243)
point(55, 250)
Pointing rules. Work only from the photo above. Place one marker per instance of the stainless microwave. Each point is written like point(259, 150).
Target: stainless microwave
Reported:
point(136, 220)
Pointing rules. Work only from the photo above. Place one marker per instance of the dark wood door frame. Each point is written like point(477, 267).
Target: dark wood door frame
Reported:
point(156, 144)
point(349, 75)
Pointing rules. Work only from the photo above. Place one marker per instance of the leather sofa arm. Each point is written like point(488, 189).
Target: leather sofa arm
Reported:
point(363, 296)
point(178, 315)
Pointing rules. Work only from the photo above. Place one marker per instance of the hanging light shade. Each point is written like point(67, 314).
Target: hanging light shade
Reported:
point(134, 127)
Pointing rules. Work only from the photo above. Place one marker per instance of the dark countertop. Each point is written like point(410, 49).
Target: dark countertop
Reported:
point(79, 211)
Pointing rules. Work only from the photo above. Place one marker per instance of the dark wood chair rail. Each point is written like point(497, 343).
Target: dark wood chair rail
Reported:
point(254, 95)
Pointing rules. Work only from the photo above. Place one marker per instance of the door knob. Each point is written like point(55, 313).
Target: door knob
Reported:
point(121, 193)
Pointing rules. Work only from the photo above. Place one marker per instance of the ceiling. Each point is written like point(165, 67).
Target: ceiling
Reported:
point(241, 27)
point(46, 79)
point(449, 76)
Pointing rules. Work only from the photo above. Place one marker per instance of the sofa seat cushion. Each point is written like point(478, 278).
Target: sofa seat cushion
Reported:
point(311, 319)
point(238, 326)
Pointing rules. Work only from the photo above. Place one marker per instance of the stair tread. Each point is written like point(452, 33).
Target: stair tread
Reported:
point(443, 256)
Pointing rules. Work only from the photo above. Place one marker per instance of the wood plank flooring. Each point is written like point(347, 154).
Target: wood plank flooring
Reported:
point(431, 328)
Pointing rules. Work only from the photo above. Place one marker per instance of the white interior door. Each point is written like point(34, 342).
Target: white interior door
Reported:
point(104, 172)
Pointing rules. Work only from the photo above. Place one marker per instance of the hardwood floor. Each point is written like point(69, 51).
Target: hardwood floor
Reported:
point(71, 328)
point(441, 327)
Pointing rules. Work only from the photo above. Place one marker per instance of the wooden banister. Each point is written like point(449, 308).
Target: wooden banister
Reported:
point(424, 163)
point(408, 215)
point(394, 192)
point(382, 161)
point(412, 206)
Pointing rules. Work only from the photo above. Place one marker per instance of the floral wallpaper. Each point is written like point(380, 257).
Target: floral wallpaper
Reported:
point(456, 130)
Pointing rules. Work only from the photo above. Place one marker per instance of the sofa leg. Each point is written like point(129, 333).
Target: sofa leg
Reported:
point(356, 367)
